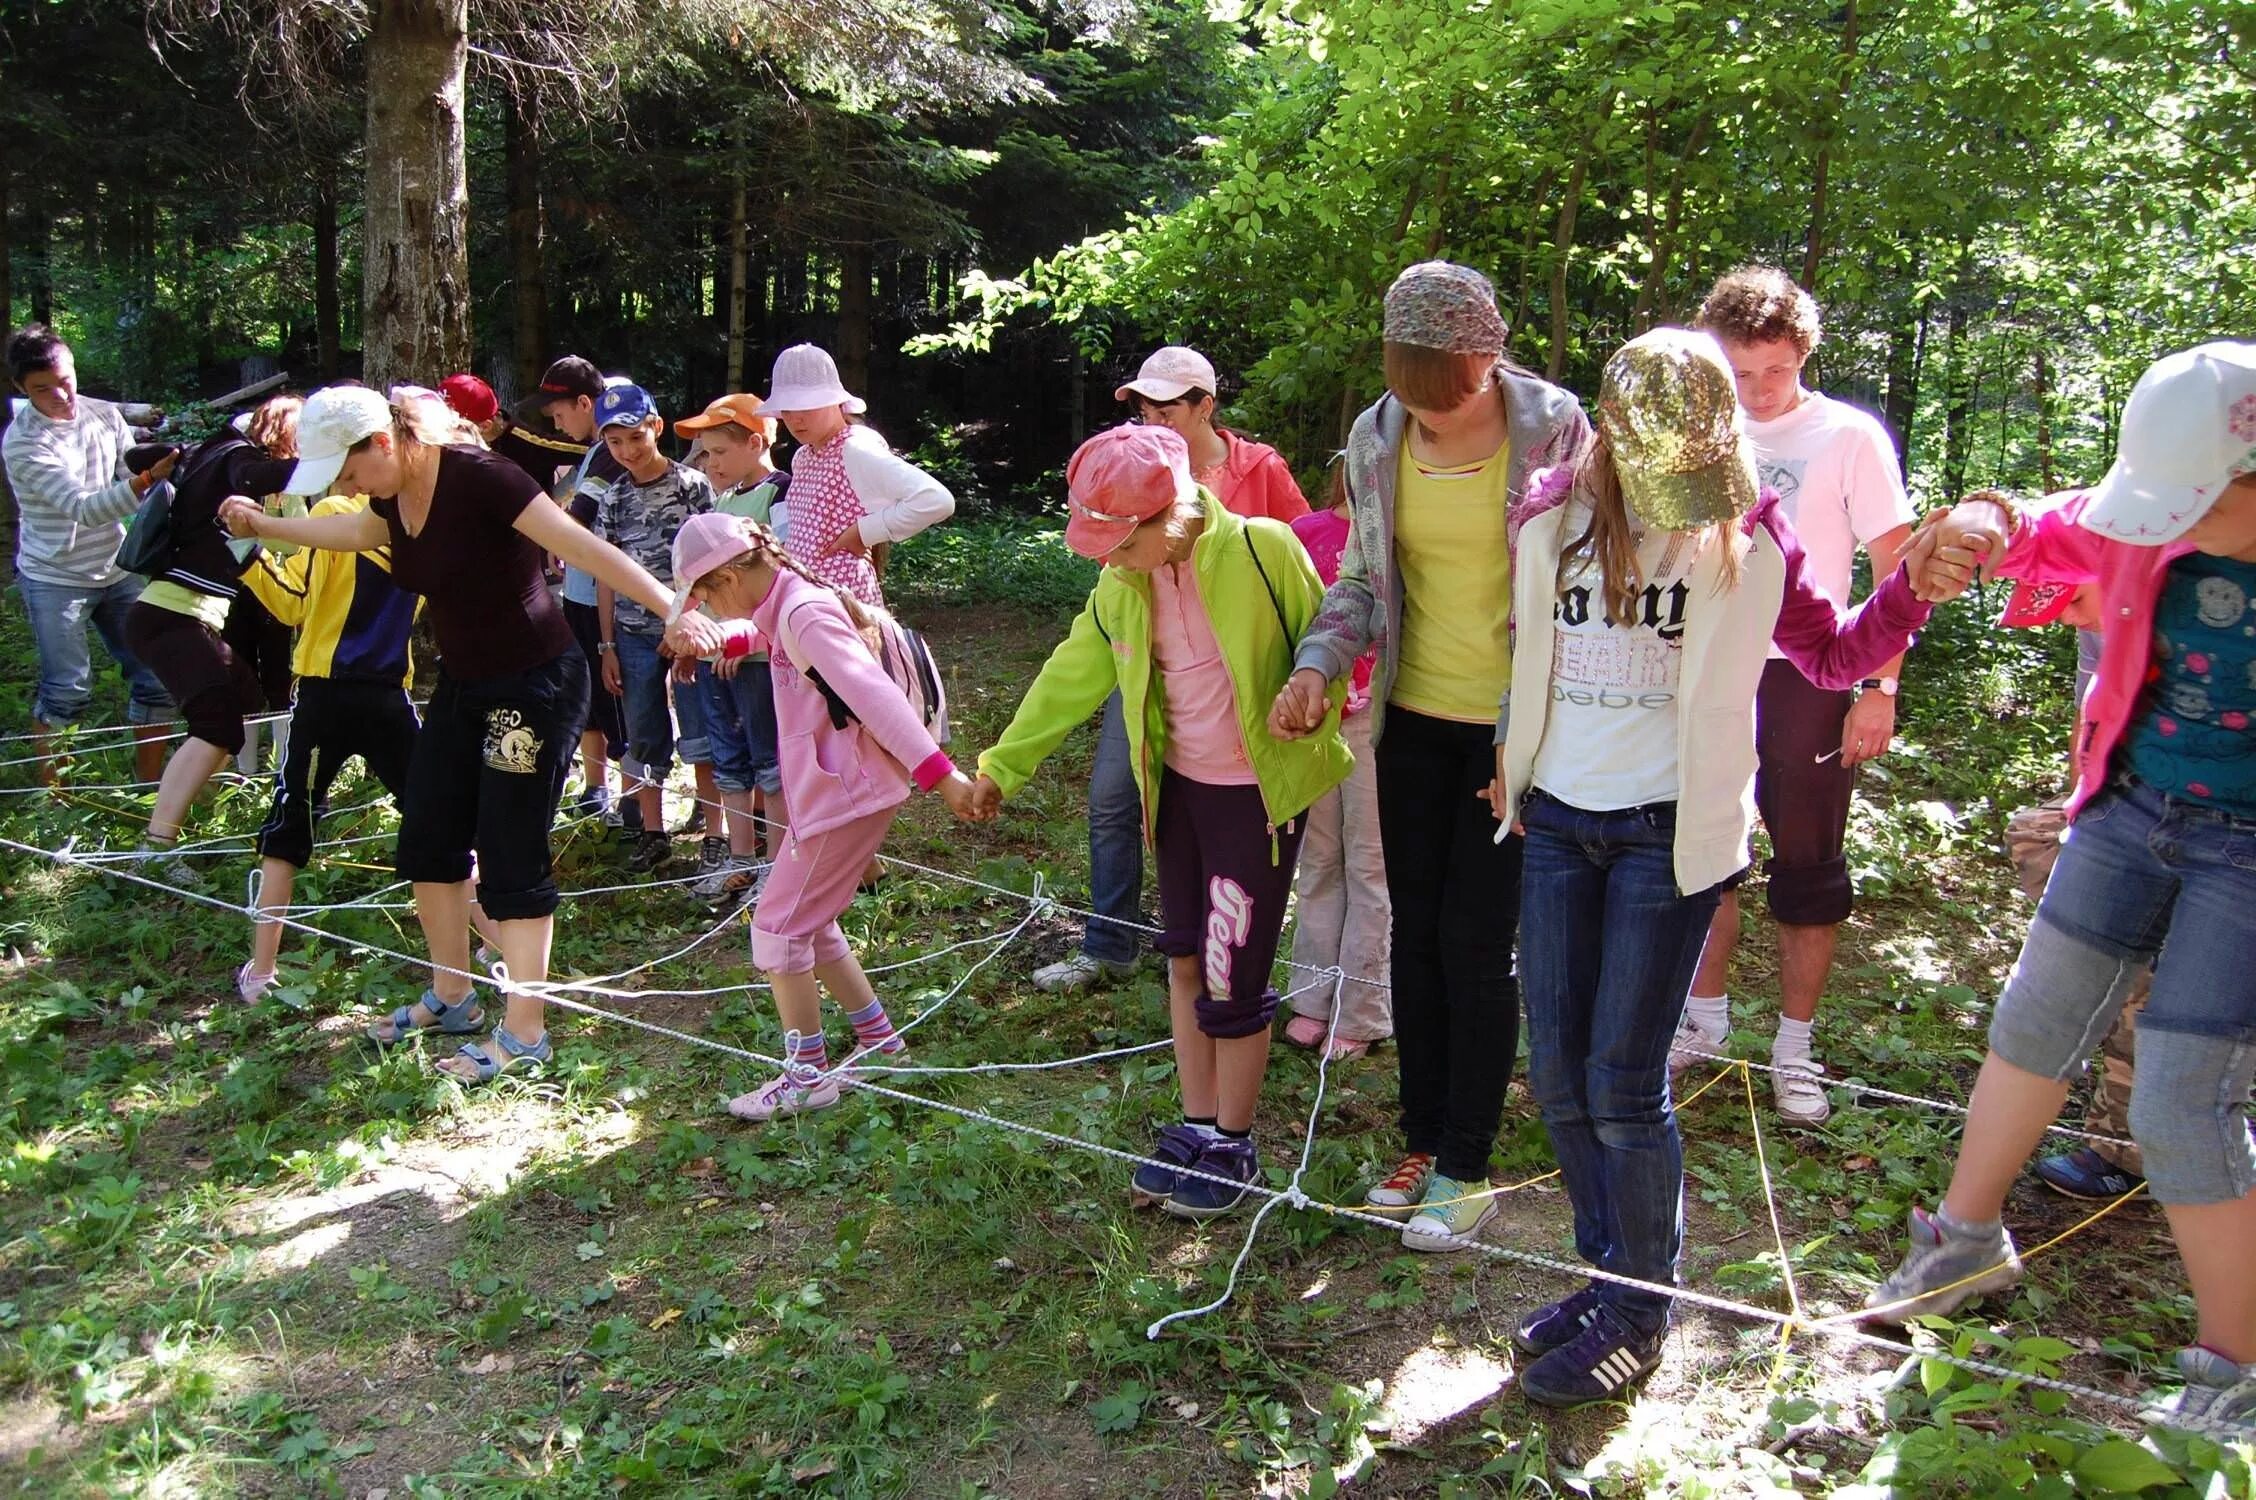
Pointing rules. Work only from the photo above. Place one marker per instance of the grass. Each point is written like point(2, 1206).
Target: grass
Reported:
point(245, 1253)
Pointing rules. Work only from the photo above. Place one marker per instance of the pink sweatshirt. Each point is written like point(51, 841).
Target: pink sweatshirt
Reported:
point(2049, 546)
point(1256, 481)
point(834, 776)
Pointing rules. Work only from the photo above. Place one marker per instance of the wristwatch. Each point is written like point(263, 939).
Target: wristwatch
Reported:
point(604, 648)
point(1885, 685)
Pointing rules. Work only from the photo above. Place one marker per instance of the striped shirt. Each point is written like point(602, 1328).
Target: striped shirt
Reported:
point(73, 494)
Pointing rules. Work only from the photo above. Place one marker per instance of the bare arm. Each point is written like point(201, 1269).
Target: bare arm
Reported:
point(334, 533)
point(548, 525)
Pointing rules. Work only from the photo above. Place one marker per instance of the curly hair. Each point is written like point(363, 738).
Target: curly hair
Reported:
point(1759, 304)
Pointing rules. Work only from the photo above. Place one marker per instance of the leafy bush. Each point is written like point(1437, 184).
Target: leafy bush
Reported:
point(1002, 560)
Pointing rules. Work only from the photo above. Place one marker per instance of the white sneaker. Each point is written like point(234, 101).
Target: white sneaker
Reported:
point(1797, 1087)
point(735, 873)
point(1070, 976)
point(781, 1096)
point(250, 986)
point(1691, 1044)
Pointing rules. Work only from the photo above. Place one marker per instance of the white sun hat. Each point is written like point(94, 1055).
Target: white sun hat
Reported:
point(806, 379)
point(2189, 429)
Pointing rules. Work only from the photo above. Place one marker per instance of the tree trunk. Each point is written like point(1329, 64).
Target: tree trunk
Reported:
point(1813, 244)
point(1562, 241)
point(854, 316)
point(39, 262)
point(528, 233)
point(1527, 256)
point(740, 265)
point(328, 303)
point(2045, 474)
point(415, 297)
point(1664, 241)
point(7, 281)
point(1899, 393)
point(1958, 403)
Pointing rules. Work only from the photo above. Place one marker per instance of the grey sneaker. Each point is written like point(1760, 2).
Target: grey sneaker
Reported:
point(1943, 1272)
point(2218, 1394)
point(1691, 1045)
point(172, 869)
point(734, 873)
point(1070, 976)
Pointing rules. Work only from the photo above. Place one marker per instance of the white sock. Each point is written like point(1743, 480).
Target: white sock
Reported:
point(1793, 1044)
point(1711, 1014)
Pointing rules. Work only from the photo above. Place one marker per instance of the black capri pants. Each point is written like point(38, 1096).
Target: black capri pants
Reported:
point(334, 721)
point(214, 687)
point(487, 772)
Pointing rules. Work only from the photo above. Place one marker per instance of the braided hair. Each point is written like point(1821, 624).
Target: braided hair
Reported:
point(762, 544)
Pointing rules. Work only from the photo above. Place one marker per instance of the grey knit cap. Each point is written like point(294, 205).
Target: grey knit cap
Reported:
point(1438, 304)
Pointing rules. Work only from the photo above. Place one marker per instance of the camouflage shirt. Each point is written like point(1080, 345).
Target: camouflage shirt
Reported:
point(640, 520)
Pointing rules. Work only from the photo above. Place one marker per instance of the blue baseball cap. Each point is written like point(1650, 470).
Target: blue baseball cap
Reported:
point(623, 406)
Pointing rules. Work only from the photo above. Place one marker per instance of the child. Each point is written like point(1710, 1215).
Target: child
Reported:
point(353, 675)
point(2159, 865)
point(639, 513)
point(739, 697)
point(1644, 610)
point(1343, 913)
point(846, 783)
point(1193, 620)
point(852, 493)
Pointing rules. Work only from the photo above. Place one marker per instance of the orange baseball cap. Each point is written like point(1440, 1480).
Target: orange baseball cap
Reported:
point(736, 409)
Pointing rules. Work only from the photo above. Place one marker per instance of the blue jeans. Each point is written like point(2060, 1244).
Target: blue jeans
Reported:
point(1116, 843)
point(2146, 878)
point(651, 737)
point(60, 613)
point(740, 723)
point(1607, 952)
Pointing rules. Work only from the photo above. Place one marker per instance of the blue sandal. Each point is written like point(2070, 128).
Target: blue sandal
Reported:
point(512, 1052)
point(462, 1018)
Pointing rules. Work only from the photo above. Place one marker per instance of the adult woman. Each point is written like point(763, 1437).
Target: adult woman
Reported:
point(178, 626)
point(468, 531)
point(1434, 469)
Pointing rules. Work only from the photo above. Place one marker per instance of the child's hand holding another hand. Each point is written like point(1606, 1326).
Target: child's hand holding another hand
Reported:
point(1301, 705)
point(962, 795)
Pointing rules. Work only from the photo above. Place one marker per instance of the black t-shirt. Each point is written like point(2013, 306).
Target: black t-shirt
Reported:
point(490, 605)
point(219, 467)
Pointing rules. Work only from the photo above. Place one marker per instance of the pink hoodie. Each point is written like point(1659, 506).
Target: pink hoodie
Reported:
point(2048, 546)
point(834, 776)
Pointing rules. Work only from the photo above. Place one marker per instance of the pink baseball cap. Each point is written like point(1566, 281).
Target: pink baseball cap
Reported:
point(703, 543)
point(1120, 479)
point(1169, 373)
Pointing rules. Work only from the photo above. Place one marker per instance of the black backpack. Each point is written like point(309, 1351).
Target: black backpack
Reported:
point(150, 548)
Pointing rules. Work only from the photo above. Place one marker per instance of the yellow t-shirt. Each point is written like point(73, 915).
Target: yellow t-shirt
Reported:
point(1456, 567)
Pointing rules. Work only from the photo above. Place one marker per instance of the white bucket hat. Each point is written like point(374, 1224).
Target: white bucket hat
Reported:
point(2189, 429)
point(806, 379)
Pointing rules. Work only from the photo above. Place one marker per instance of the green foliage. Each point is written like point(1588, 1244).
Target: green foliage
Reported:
point(1023, 564)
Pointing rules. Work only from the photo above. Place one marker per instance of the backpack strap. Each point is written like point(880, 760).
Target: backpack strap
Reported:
point(1274, 602)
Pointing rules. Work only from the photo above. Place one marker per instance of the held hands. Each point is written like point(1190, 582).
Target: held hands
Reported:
point(1954, 546)
point(971, 801)
point(695, 635)
point(239, 514)
point(1301, 705)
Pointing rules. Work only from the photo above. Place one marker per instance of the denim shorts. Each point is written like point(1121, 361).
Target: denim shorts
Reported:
point(60, 614)
point(740, 724)
point(2145, 878)
point(651, 735)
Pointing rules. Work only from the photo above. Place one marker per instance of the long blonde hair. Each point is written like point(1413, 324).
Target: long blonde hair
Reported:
point(869, 619)
point(1612, 535)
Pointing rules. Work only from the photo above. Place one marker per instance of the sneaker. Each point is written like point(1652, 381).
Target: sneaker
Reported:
point(1449, 1213)
point(1178, 1146)
point(1553, 1327)
point(695, 823)
point(1943, 1272)
point(1305, 1031)
point(1203, 1198)
point(251, 986)
point(625, 814)
point(2084, 1173)
point(172, 869)
point(781, 1096)
point(595, 802)
point(2218, 1394)
point(1597, 1364)
point(1398, 1195)
point(712, 854)
point(1070, 976)
point(651, 849)
point(1797, 1088)
point(1692, 1044)
point(732, 874)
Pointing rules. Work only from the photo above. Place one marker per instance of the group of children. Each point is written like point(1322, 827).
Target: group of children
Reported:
point(1563, 628)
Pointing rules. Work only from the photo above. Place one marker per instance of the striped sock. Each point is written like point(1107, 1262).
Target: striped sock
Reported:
point(873, 1029)
point(808, 1052)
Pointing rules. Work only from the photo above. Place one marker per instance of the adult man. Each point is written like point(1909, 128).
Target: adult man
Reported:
point(65, 455)
point(1836, 471)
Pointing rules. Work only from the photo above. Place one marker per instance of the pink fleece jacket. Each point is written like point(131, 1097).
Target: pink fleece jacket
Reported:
point(1256, 481)
point(833, 776)
point(2049, 546)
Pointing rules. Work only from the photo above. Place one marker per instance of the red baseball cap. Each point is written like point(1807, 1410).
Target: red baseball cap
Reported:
point(1118, 480)
point(472, 399)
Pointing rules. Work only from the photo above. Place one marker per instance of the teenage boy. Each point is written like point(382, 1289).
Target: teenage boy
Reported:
point(1835, 470)
point(738, 444)
point(639, 513)
point(65, 455)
